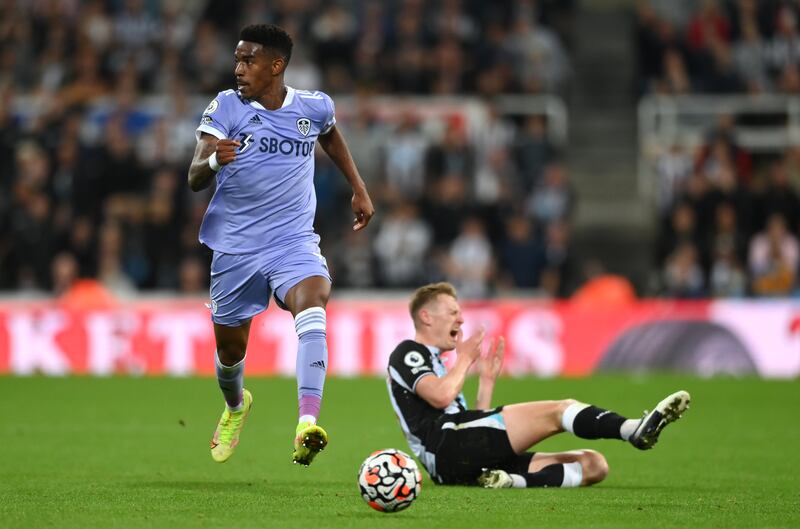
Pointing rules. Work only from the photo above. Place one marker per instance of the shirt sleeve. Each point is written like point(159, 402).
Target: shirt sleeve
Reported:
point(329, 119)
point(216, 118)
point(407, 366)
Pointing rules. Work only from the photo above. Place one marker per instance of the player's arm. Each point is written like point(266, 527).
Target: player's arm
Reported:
point(334, 145)
point(209, 157)
point(489, 367)
point(439, 392)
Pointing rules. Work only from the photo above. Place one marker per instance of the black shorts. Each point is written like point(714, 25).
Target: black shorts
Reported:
point(471, 441)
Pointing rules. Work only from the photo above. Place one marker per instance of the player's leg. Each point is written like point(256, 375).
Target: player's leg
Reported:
point(531, 422)
point(231, 345)
point(238, 292)
point(560, 469)
point(307, 300)
point(231, 351)
point(302, 285)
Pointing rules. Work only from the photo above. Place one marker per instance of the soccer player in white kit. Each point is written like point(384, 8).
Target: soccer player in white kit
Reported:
point(256, 143)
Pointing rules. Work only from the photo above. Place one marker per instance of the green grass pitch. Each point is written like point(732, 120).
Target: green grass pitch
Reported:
point(130, 453)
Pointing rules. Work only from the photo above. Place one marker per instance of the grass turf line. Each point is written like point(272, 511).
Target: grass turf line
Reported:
point(122, 452)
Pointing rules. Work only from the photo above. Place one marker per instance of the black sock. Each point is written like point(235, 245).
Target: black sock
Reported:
point(597, 423)
point(549, 476)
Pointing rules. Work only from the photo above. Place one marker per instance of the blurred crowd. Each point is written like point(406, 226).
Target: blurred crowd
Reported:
point(99, 101)
point(718, 46)
point(730, 219)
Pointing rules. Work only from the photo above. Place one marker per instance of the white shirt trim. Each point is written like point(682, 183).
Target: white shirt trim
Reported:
point(210, 130)
point(286, 100)
point(329, 127)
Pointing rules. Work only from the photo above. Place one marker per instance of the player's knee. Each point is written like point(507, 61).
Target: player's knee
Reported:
point(565, 403)
point(231, 352)
point(595, 467)
point(560, 407)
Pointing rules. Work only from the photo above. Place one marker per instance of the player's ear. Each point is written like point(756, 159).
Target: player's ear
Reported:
point(424, 316)
point(278, 65)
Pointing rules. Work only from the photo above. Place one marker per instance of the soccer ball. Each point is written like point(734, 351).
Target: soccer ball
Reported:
point(389, 480)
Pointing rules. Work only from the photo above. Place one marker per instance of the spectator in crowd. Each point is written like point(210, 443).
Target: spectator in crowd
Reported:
point(554, 198)
point(774, 258)
point(401, 246)
point(470, 262)
point(675, 79)
point(558, 277)
point(749, 58)
point(521, 254)
point(353, 261)
point(537, 53)
point(110, 270)
point(683, 277)
point(727, 237)
point(453, 155)
point(405, 159)
point(64, 273)
point(532, 152)
point(680, 230)
point(727, 278)
point(673, 168)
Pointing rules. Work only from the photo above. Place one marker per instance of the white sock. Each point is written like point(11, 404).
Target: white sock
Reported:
point(518, 482)
point(307, 418)
point(573, 475)
point(628, 427)
point(568, 417)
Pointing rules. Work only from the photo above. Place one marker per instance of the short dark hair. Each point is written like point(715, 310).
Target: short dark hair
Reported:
point(424, 295)
point(269, 36)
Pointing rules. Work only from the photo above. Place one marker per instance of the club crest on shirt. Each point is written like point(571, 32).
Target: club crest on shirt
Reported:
point(304, 126)
point(212, 107)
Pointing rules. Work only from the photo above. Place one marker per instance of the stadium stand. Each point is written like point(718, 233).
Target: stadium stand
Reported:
point(99, 101)
point(718, 134)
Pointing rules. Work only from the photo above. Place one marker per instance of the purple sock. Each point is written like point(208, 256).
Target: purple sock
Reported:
point(309, 405)
point(312, 360)
point(231, 382)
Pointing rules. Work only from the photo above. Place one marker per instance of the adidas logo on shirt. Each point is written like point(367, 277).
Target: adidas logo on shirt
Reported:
point(255, 120)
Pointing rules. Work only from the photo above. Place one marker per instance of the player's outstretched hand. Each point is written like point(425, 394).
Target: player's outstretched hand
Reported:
point(491, 363)
point(471, 347)
point(363, 209)
point(226, 151)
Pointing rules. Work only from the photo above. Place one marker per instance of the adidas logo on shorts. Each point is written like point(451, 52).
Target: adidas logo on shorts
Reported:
point(255, 120)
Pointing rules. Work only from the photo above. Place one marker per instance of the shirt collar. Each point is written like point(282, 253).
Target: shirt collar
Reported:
point(434, 350)
point(286, 100)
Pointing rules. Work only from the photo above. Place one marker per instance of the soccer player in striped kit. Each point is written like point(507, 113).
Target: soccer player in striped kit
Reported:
point(489, 446)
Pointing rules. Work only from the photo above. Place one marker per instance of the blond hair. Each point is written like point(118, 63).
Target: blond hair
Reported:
point(425, 294)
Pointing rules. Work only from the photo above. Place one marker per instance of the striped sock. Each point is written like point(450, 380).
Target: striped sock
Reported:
point(590, 422)
point(231, 382)
point(312, 360)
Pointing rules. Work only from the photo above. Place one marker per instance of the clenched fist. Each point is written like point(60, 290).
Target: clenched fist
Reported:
point(226, 151)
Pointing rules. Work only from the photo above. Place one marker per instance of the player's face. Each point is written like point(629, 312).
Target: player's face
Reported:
point(446, 322)
point(253, 69)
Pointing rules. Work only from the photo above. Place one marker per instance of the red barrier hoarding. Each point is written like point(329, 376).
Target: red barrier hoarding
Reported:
point(545, 339)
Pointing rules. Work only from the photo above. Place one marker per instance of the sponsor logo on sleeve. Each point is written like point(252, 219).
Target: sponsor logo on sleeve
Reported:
point(212, 107)
point(416, 362)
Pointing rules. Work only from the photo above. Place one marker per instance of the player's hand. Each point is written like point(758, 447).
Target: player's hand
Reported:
point(226, 151)
point(491, 363)
point(363, 209)
point(471, 347)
